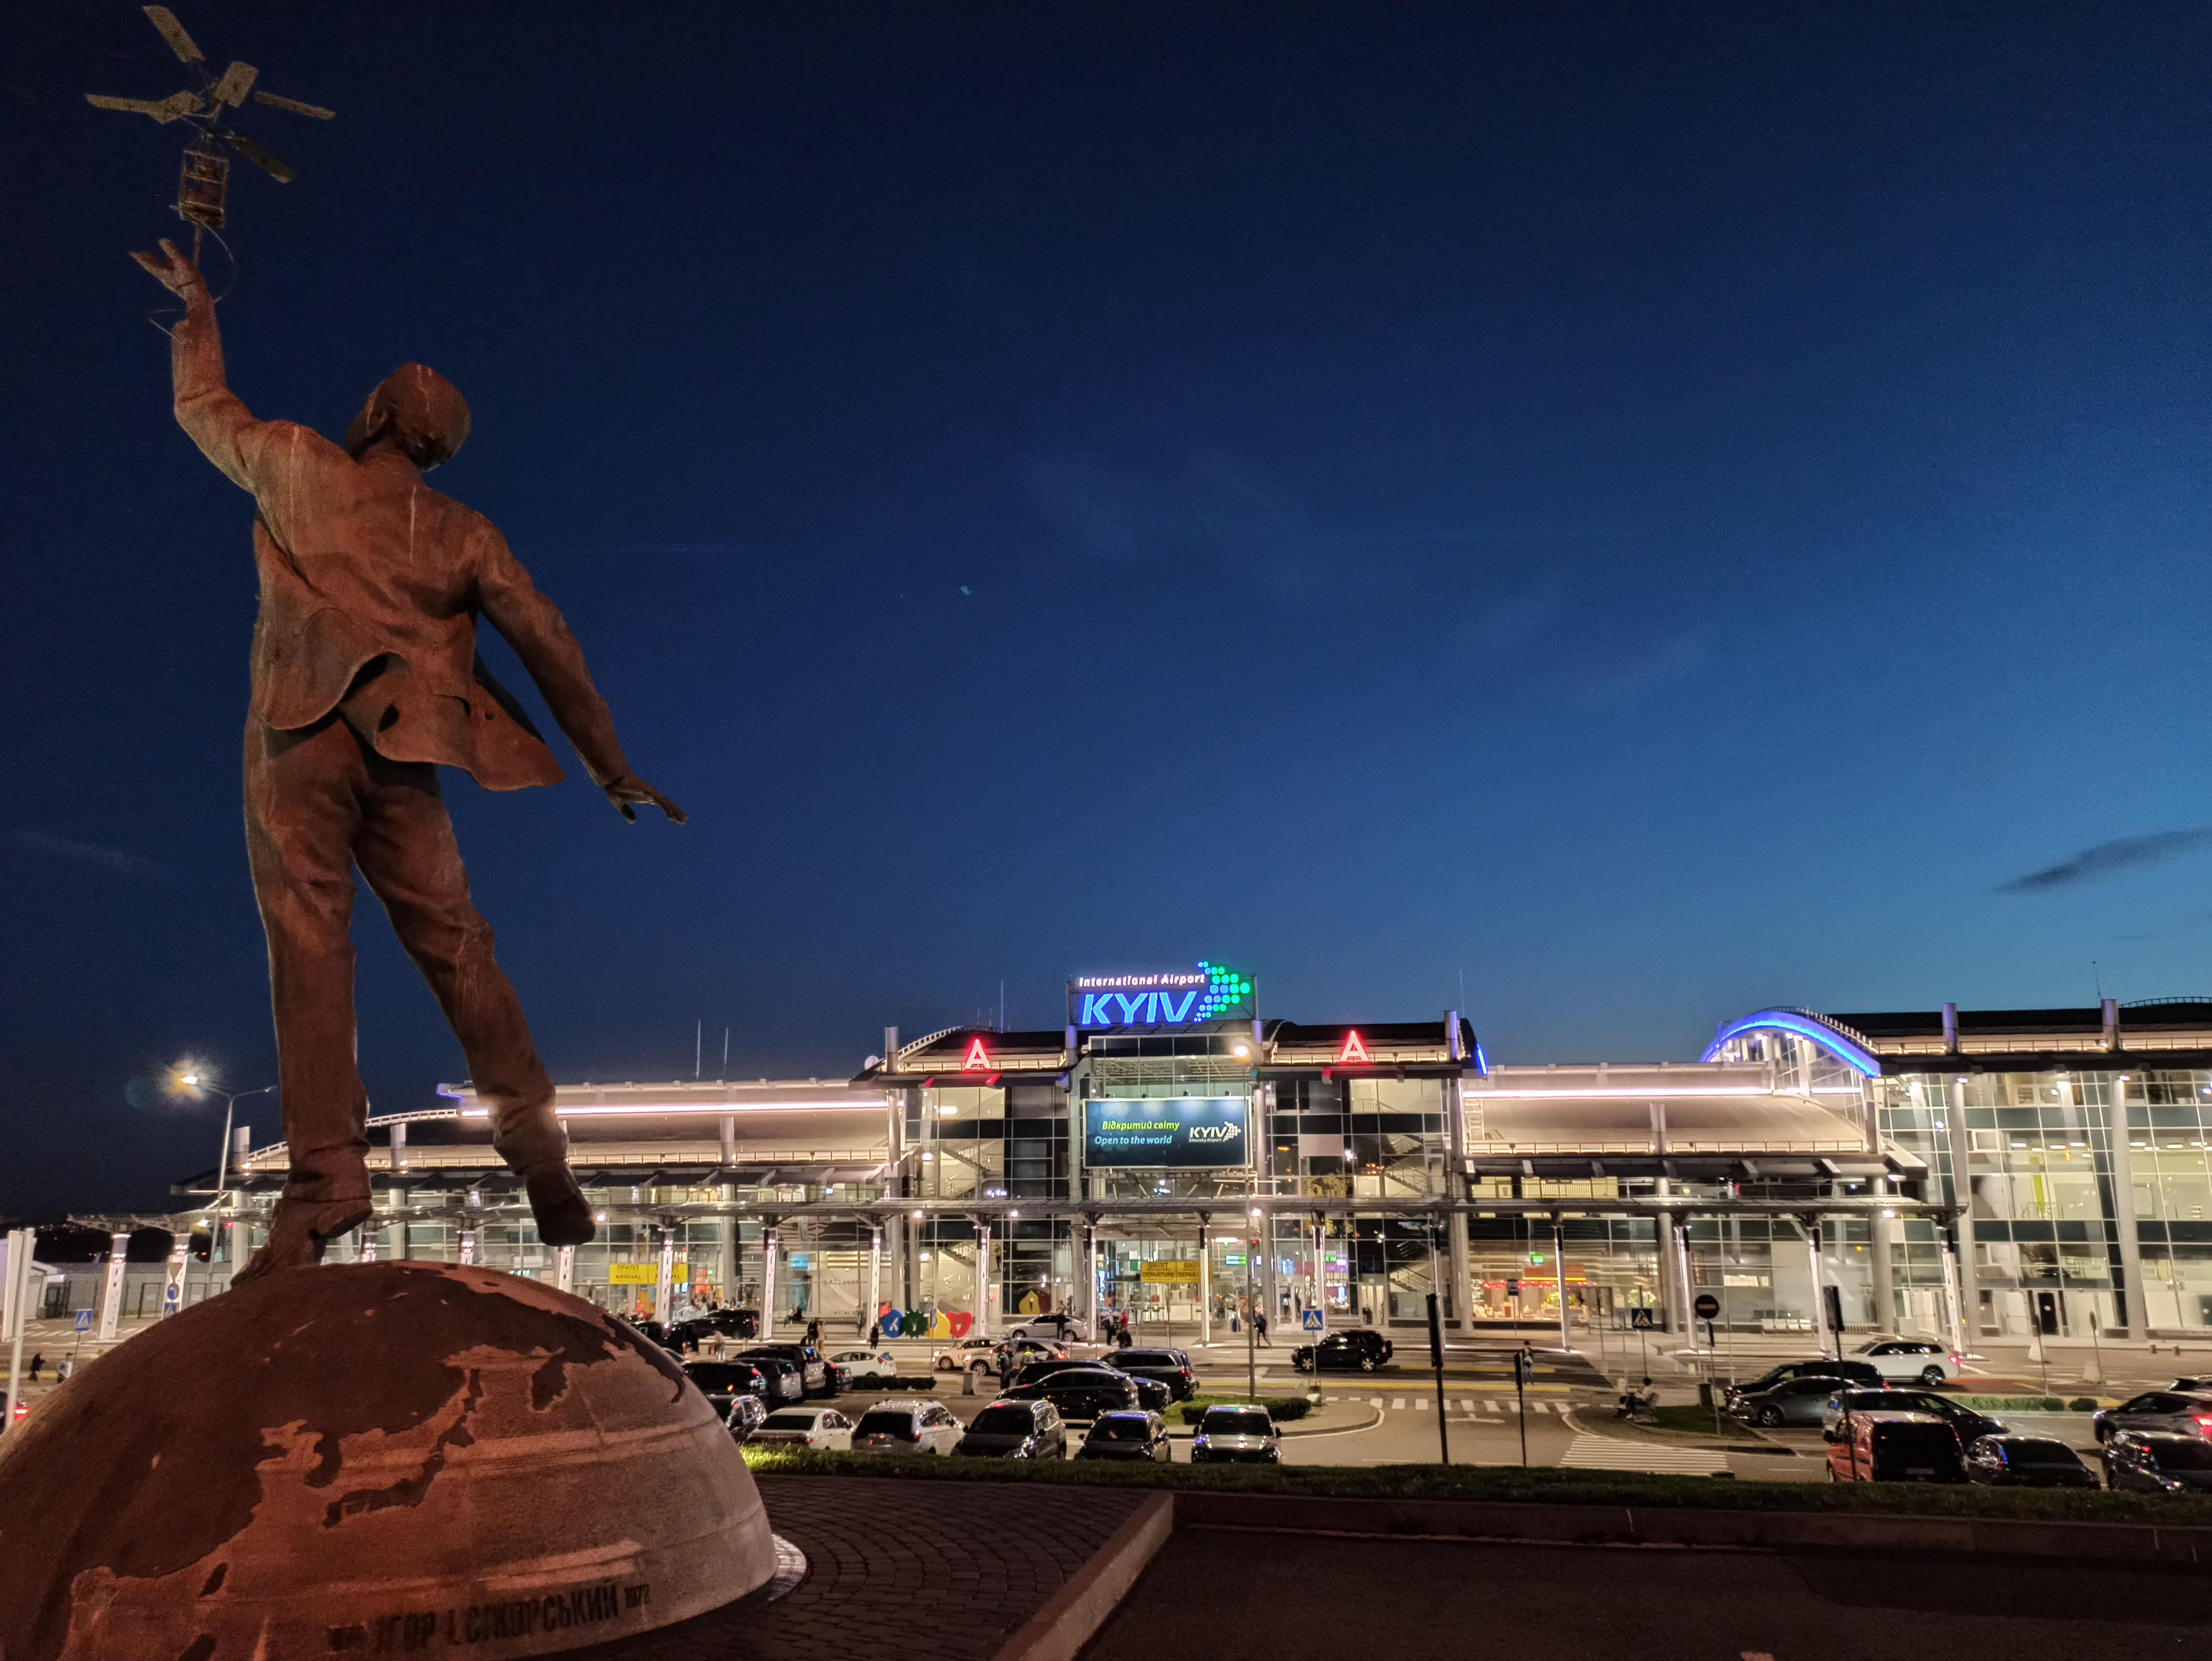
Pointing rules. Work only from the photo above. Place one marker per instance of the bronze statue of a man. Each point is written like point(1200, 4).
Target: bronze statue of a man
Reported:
point(366, 680)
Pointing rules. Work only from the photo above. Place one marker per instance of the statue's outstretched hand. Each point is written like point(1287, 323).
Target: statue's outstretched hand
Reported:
point(174, 272)
point(627, 792)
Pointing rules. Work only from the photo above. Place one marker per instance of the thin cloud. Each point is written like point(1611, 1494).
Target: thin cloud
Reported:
point(2188, 925)
point(99, 856)
point(2121, 854)
point(1671, 661)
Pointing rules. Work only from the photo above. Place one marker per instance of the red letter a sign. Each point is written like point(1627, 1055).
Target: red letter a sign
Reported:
point(1353, 1050)
point(979, 1059)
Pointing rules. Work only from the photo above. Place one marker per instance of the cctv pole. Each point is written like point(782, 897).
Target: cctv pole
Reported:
point(1520, 1398)
point(1436, 1361)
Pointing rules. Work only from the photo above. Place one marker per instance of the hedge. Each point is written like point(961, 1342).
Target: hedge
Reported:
point(1543, 1485)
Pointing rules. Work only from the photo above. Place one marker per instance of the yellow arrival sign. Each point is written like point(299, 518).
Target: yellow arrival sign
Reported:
point(1169, 1271)
point(643, 1274)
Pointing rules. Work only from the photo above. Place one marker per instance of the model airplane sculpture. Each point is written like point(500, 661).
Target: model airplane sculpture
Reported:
point(203, 181)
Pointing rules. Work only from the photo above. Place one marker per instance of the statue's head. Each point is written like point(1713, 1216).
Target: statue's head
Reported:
point(419, 410)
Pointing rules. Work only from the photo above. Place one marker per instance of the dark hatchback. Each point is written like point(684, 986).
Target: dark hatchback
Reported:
point(1128, 1436)
point(723, 1381)
point(1082, 1392)
point(1357, 1351)
point(2025, 1461)
point(2157, 1462)
point(1171, 1367)
point(1016, 1430)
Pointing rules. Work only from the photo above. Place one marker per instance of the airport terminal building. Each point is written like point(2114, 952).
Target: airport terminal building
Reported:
point(1172, 1153)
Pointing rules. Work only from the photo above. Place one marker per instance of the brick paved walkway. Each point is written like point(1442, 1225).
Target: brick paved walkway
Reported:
point(917, 1570)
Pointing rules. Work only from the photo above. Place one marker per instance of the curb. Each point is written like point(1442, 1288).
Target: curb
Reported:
point(1072, 1615)
point(2138, 1543)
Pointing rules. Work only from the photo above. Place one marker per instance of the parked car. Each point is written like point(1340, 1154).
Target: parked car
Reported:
point(1057, 1328)
point(866, 1364)
point(1357, 1350)
point(968, 1353)
point(1843, 1373)
point(786, 1379)
point(2025, 1461)
point(654, 1330)
point(726, 1324)
point(721, 1382)
point(2181, 1413)
point(1030, 1371)
point(1792, 1401)
point(907, 1425)
point(1082, 1392)
point(2157, 1462)
point(814, 1372)
point(1128, 1436)
point(1244, 1435)
point(1970, 1426)
point(1895, 1447)
point(746, 1414)
point(1910, 1361)
point(805, 1427)
point(1171, 1367)
point(1016, 1430)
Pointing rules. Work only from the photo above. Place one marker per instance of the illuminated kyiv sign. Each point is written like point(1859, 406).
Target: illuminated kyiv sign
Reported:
point(1174, 998)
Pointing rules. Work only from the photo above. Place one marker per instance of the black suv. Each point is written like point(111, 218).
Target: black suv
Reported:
point(723, 1381)
point(818, 1378)
point(1359, 1350)
point(1171, 1367)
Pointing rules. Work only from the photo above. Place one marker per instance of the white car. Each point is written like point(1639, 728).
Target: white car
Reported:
point(805, 1428)
point(1910, 1361)
point(1052, 1330)
point(905, 1425)
point(968, 1353)
point(866, 1364)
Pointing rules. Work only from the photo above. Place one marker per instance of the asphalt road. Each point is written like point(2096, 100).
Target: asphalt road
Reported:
point(1229, 1596)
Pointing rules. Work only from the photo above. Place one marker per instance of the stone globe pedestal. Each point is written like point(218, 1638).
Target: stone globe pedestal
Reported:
point(374, 1459)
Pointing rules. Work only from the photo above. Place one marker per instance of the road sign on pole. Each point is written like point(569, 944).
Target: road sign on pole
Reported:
point(1643, 1320)
point(84, 1320)
point(1311, 1320)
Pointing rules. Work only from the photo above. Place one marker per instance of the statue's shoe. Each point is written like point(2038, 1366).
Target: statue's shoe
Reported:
point(564, 1216)
point(298, 1233)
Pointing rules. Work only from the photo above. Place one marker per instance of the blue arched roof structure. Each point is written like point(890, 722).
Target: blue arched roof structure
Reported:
point(1837, 1039)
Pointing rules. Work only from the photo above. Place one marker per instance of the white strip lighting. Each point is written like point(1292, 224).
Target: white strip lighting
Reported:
point(717, 1108)
point(1619, 1095)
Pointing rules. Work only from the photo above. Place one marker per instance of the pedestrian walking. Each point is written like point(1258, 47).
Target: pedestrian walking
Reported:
point(1260, 1329)
point(875, 1334)
point(38, 1360)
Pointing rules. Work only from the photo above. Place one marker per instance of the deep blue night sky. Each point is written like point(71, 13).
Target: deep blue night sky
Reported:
point(1659, 510)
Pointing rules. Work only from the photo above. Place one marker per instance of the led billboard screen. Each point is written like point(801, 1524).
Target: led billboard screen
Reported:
point(1184, 1131)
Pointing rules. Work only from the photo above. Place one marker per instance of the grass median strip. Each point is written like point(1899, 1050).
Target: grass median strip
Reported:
point(1509, 1484)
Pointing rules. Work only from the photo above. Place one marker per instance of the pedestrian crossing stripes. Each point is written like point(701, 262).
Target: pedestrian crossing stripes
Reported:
point(1465, 1404)
point(1588, 1452)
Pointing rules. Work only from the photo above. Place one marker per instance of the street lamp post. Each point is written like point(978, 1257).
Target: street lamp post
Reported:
point(197, 1084)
